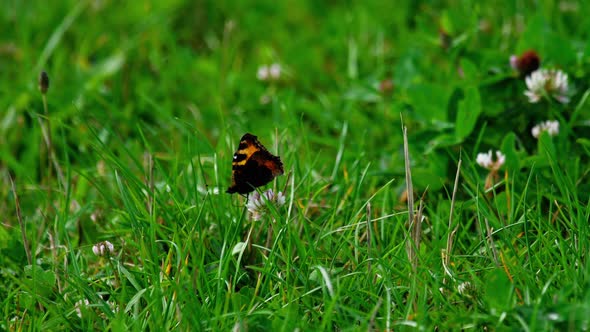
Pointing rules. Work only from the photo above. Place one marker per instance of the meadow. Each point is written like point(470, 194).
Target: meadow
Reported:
point(436, 165)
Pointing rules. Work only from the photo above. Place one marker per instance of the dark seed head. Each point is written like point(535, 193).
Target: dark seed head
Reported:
point(527, 62)
point(386, 86)
point(444, 38)
point(43, 82)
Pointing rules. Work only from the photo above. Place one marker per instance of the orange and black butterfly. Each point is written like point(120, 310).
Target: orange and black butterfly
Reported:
point(253, 166)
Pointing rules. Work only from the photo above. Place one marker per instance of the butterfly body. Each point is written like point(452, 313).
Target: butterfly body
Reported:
point(253, 166)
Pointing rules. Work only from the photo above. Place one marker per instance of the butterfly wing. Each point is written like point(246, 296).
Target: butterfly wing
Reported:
point(253, 166)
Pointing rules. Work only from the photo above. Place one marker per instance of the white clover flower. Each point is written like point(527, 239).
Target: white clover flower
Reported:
point(275, 71)
point(547, 82)
point(551, 127)
point(514, 61)
point(263, 73)
point(103, 248)
point(257, 203)
point(466, 288)
point(83, 305)
point(485, 160)
point(463, 287)
point(272, 72)
point(79, 305)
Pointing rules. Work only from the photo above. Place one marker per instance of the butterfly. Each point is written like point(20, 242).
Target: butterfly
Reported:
point(253, 166)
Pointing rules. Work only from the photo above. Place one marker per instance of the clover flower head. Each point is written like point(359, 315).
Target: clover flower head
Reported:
point(103, 248)
point(275, 71)
point(551, 127)
point(269, 72)
point(257, 203)
point(467, 289)
point(485, 160)
point(463, 287)
point(547, 82)
point(262, 74)
point(526, 63)
point(82, 304)
point(514, 62)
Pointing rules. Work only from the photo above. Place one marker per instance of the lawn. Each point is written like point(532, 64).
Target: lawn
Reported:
point(435, 165)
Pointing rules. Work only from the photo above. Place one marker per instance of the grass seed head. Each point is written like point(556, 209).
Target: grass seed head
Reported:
point(43, 82)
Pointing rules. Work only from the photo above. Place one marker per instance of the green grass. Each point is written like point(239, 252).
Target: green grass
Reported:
point(145, 108)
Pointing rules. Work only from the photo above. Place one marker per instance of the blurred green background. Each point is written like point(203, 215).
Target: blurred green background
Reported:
point(176, 82)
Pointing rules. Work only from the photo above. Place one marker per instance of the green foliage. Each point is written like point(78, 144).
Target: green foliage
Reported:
point(467, 113)
point(147, 101)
